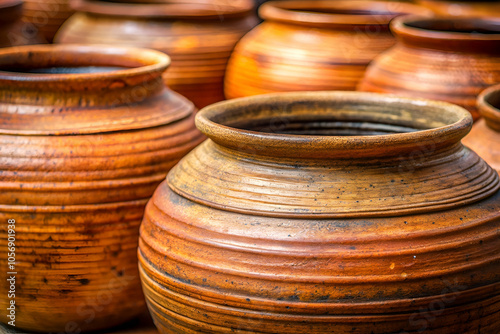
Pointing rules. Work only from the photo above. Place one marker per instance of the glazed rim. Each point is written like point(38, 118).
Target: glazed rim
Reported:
point(413, 122)
point(489, 106)
point(332, 13)
point(162, 9)
point(447, 28)
point(10, 3)
point(135, 60)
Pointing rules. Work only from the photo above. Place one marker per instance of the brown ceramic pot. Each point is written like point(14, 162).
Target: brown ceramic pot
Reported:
point(484, 137)
point(13, 31)
point(86, 136)
point(326, 212)
point(198, 37)
point(439, 58)
point(47, 16)
point(463, 8)
point(311, 45)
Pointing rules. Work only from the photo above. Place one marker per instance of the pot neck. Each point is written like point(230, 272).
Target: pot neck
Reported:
point(489, 107)
point(79, 76)
point(449, 34)
point(334, 125)
point(341, 15)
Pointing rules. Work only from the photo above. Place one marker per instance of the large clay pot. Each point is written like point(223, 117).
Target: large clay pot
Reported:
point(311, 45)
point(463, 8)
point(199, 38)
point(439, 58)
point(326, 212)
point(86, 136)
point(484, 137)
point(13, 31)
point(47, 16)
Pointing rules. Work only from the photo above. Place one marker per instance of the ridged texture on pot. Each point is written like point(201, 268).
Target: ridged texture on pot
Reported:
point(311, 46)
point(484, 137)
point(199, 47)
point(260, 233)
point(463, 8)
point(13, 32)
point(440, 65)
point(80, 155)
point(46, 16)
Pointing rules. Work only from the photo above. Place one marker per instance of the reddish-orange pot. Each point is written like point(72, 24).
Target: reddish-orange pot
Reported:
point(46, 16)
point(311, 45)
point(13, 31)
point(463, 8)
point(484, 137)
point(199, 37)
point(86, 135)
point(328, 212)
point(449, 59)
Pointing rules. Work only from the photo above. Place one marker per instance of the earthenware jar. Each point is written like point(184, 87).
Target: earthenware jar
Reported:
point(46, 16)
point(326, 211)
point(439, 58)
point(463, 8)
point(484, 137)
point(311, 45)
point(13, 31)
point(198, 37)
point(86, 136)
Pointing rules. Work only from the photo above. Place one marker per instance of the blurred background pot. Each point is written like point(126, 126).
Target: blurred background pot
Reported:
point(13, 31)
point(449, 59)
point(311, 45)
point(463, 8)
point(46, 16)
point(198, 37)
point(313, 212)
point(484, 137)
point(87, 134)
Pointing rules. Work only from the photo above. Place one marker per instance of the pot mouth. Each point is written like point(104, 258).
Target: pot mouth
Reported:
point(207, 9)
point(332, 124)
point(448, 28)
point(489, 106)
point(333, 13)
point(78, 63)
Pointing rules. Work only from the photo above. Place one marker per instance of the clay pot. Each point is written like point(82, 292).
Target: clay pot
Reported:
point(439, 58)
point(47, 16)
point(311, 45)
point(463, 8)
point(13, 31)
point(326, 212)
point(86, 136)
point(199, 38)
point(484, 137)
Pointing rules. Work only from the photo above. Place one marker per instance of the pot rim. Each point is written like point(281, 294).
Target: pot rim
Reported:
point(289, 11)
point(490, 112)
point(290, 145)
point(234, 8)
point(146, 62)
point(400, 26)
point(10, 3)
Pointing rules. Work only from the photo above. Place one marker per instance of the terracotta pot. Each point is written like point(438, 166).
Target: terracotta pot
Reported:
point(13, 31)
point(47, 16)
point(439, 58)
point(311, 45)
point(86, 136)
point(463, 8)
point(484, 137)
point(199, 38)
point(326, 212)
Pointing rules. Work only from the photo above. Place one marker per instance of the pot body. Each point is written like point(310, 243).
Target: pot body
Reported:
point(270, 232)
point(13, 31)
point(463, 8)
point(440, 65)
point(80, 156)
point(46, 16)
point(311, 46)
point(484, 137)
point(199, 47)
